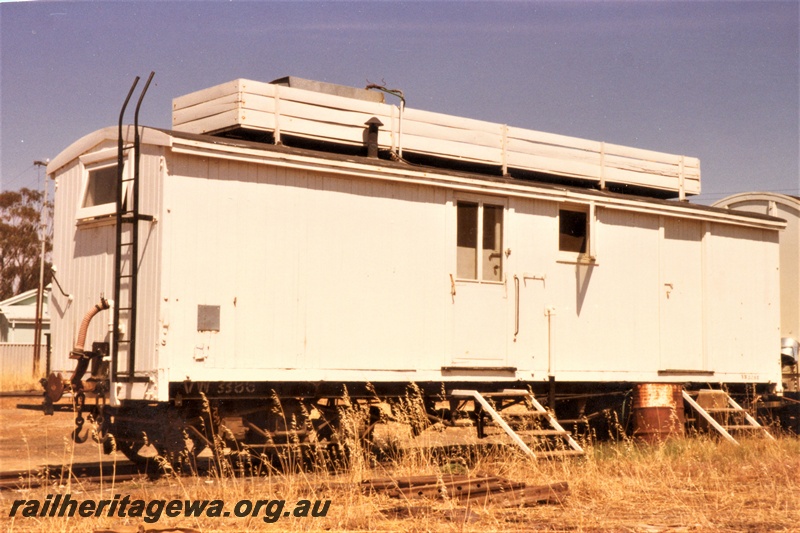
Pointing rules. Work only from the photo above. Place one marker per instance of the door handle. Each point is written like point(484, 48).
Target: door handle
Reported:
point(516, 307)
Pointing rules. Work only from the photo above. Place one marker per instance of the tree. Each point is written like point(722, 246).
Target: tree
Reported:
point(20, 245)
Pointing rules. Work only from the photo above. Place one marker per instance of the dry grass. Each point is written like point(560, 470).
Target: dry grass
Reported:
point(694, 484)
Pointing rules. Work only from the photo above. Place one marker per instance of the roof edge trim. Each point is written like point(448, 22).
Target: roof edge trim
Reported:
point(149, 136)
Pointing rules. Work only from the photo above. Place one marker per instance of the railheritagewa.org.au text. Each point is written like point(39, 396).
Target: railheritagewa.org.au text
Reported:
point(63, 505)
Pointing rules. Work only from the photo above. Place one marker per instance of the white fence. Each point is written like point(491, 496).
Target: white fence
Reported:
point(17, 364)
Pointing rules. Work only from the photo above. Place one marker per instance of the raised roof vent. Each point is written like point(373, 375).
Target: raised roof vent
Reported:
point(327, 117)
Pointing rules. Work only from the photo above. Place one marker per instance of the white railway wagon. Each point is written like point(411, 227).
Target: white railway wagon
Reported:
point(300, 268)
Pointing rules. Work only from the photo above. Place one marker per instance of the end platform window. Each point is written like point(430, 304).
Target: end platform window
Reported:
point(98, 199)
point(101, 186)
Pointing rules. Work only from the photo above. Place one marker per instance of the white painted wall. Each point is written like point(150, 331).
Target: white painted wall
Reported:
point(310, 270)
point(83, 253)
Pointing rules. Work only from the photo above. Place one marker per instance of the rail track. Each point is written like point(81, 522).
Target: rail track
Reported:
point(61, 475)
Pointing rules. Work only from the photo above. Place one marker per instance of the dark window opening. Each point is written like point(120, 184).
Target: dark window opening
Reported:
point(467, 240)
point(573, 233)
point(492, 267)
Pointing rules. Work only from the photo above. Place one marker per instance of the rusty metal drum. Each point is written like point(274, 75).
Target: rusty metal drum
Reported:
point(657, 412)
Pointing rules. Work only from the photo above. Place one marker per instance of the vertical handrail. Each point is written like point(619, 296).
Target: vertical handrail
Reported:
point(118, 256)
point(516, 306)
point(135, 232)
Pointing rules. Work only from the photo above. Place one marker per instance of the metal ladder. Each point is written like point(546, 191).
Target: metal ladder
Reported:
point(126, 252)
point(539, 411)
point(720, 403)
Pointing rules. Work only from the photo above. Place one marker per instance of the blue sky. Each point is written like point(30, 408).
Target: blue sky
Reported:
point(714, 80)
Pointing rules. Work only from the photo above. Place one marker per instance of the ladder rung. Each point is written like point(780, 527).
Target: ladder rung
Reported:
point(129, 217)
point(748, 426)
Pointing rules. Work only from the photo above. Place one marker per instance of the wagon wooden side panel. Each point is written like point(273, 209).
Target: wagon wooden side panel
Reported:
point(307, 273)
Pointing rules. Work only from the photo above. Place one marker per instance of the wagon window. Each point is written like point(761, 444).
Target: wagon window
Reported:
point(479, 241)
point(98, 201)
point(492, 241)
point(467, 260)
point(101, 186)
point(573, 231)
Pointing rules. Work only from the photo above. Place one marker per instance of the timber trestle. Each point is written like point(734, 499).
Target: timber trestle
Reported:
point(723, 414)
point(552, 442)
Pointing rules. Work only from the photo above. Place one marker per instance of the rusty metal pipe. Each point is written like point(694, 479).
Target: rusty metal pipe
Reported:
point(78, 350)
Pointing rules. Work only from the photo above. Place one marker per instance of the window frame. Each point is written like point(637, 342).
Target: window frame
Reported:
point(94, 162)
point(481, 202)
point(588, 255)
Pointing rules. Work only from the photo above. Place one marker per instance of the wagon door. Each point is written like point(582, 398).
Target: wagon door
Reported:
point(681, 298)
point(480, 303)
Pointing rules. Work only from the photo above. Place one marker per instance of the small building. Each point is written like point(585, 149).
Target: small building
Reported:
point(18, 365)
point(18, 317)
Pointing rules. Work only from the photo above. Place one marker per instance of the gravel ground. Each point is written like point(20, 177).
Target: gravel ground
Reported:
point(30, 439)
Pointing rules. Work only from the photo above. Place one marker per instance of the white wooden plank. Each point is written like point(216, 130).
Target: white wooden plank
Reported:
point(452, 121)
point(223, 104)
point(641, 165)
point(643, 179)
point(204, 95)
point(329, 115)
point(452, 149)
point(567, 167)
point(515, 147)
point(649, 155)
point(228, 120)
point(292, 94)
point(449, 133)
point(318, 130)
point(540, 137)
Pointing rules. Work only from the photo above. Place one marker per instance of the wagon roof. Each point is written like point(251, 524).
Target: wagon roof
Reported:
point(517, 184)
point(526, 180)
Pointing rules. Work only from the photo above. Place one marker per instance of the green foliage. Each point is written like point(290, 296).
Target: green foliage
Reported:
point(20, 245)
